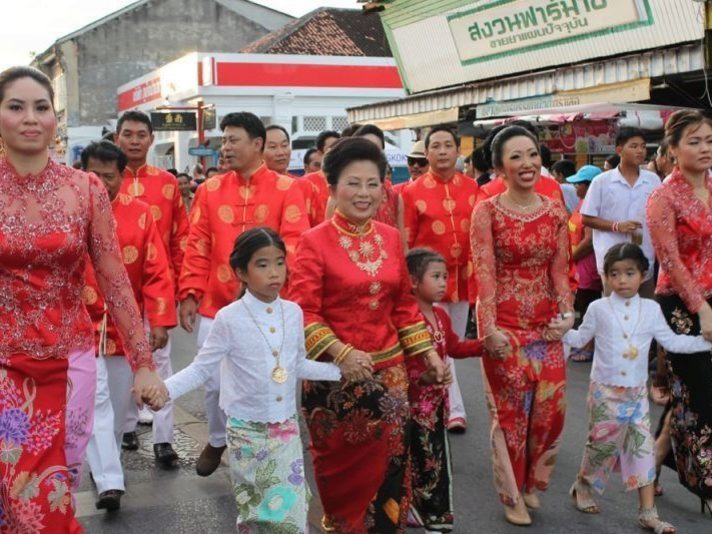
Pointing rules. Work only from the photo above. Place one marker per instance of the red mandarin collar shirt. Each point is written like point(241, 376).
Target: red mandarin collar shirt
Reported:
point(224, 207)
point(437, 215)
point(146, 263)
point(159, 189)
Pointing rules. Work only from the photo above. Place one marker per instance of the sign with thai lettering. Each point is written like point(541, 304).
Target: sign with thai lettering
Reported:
point(506, 27)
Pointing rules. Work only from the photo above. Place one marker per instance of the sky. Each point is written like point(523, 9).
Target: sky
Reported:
point(32, 26)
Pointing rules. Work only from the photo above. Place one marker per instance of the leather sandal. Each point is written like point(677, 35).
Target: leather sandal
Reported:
point(649, 520)
point(586, 505)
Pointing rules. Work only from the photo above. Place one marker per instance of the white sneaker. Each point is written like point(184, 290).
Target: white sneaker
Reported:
point(145, 416)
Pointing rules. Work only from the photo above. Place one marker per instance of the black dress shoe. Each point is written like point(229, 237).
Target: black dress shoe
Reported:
point(130, 441)
point(166, 457)
point(109, 500)
point(209, 460)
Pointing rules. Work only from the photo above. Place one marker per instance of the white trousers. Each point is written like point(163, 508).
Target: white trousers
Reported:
point(216, 417)
point(163, 418)
point(458, 312)
point(113, 396)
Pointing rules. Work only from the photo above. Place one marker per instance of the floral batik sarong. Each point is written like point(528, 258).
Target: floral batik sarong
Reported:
point(431, 471)
point(359, 444)
point(46, 415)
point(525, 394)
point(690, 378)
point(618, 436)
point(267, 472)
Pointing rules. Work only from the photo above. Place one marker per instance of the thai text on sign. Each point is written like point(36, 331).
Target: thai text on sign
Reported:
point(513, 26)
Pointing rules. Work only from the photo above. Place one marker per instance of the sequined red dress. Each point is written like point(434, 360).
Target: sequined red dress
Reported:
point(521, 266)
point(49, 224)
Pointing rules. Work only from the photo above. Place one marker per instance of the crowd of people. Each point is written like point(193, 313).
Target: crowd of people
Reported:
point(363, 290)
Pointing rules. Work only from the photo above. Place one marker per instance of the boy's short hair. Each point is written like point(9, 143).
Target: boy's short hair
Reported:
point(625, 251)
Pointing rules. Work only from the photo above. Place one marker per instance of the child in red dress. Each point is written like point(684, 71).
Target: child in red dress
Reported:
point(431, 472)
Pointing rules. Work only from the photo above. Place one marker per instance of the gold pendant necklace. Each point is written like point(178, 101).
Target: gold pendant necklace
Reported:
point(631, 353)
point(279, 373)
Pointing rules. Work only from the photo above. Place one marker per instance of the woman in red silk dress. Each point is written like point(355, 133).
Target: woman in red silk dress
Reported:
point(351, 280)
point(679, 216)
point(521, 252)
point(51, 216)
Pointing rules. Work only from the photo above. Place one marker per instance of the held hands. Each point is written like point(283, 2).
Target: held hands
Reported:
point(356, 366)
point(438, 373)
point(497, 345)
point(188, 311)
point(149, 388)
point(558, 326)
point(158, 337)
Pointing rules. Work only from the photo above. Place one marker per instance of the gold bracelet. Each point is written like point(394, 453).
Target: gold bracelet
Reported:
point(345, 350)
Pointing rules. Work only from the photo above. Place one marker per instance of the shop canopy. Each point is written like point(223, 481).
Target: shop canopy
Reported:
point(644, 116)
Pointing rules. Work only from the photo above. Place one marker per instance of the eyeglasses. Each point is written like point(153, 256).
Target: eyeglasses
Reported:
point(422, 162)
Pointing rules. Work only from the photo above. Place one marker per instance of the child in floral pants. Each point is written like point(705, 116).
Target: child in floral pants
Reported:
point(623, 326)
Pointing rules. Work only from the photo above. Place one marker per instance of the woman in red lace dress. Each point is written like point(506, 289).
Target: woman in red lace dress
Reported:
point(679, 216)
point(351, 280)
point(521, 252)
point(51, 218)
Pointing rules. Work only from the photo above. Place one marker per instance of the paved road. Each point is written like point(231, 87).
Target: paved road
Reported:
point(179, 501)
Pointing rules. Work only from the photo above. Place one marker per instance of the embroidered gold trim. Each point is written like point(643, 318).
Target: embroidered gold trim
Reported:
point(319, 338)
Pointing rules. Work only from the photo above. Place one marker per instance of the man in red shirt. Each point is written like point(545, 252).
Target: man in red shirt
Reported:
point(159, 189)
point(437, 210)
point(324, 141)
point(277, 155)
point(247, 196)
point(147, 266)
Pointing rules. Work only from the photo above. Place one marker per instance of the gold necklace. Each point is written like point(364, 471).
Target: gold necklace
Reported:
point(279, 373)
point(365, 256)
point(632, 352)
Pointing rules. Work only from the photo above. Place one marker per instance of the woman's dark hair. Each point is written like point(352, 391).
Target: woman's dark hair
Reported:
point(346, 151)
point(373, 130)
point(418, 260)
point(134, 116)
point(680, 121)
point(249, 242)
point(350, 130)
point(625, 251)
point(15, 73)
point(510, 132)
point(487, 145)
point(479, 160)
point(613, 161)
point(106, 152)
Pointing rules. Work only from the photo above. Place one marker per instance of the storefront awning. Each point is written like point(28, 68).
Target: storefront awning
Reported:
point(576, 78)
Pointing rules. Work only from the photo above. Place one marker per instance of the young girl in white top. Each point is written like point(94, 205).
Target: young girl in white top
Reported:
point(623, 326)
point(259, 343)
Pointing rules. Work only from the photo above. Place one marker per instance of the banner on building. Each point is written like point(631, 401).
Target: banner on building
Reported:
point(507, 27)
point(174, 120)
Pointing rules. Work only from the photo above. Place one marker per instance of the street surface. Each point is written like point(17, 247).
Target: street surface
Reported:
point(180, 502)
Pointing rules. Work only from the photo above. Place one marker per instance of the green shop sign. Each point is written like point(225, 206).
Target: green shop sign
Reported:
point(506, 27)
